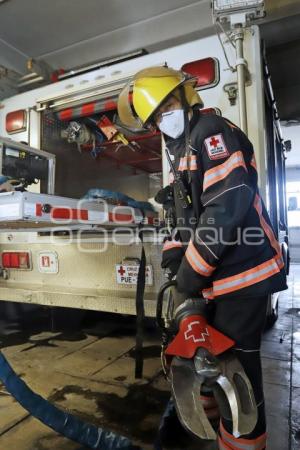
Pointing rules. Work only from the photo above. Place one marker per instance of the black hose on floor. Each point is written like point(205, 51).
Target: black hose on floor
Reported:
point(60, 421)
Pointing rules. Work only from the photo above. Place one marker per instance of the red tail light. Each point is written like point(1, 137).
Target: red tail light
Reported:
point(16, 121)
point(16, 260)
point(205, 70)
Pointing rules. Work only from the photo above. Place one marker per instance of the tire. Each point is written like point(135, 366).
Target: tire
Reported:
point(272, 314)
point(286, 257)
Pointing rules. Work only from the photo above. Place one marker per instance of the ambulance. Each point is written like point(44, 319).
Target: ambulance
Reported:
point(82, 186)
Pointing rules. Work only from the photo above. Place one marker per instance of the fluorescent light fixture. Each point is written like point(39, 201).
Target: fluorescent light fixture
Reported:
point(235, 11)
point(236, 5)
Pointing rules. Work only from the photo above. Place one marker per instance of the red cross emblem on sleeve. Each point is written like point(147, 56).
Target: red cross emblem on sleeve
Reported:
point(216, 147)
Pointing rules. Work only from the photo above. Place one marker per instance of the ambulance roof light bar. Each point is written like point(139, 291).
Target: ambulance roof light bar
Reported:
point(237, 11)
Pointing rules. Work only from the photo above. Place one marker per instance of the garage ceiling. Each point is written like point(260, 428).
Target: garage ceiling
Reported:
point(72, 33)
point(68, 33)
point(42, 27)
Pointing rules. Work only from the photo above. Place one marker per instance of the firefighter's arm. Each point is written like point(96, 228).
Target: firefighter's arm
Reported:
point(226, 198)
point(172, 255)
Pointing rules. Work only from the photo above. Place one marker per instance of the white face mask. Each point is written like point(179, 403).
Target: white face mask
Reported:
point(172, 123)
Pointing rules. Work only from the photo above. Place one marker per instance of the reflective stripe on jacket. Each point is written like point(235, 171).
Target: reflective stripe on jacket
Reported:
point(230, 246)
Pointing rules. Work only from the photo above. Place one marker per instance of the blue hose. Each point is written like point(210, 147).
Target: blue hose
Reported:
point(60, 421)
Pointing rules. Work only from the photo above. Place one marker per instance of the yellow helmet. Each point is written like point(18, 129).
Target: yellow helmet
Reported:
point(150, 87)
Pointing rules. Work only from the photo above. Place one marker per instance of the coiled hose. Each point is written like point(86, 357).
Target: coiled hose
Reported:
point(60, 421)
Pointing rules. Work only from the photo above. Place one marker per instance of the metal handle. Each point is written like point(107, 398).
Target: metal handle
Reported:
point(134, 259)
point(241, 78)
point(159, 305)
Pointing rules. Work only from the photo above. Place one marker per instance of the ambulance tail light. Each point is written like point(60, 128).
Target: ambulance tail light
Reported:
point(16, 260)
point(206, 71)
point(16, 121)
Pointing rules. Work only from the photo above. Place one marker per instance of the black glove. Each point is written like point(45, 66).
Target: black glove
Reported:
point(165, 196)
point(191, 283)
point(172, 255)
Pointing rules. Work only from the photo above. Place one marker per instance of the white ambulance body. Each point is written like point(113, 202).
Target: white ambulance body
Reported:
point(85, 268)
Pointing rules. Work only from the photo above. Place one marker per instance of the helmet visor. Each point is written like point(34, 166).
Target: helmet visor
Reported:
point(125, 110)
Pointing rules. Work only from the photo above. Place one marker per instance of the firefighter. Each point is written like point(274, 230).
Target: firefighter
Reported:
point(224, 248)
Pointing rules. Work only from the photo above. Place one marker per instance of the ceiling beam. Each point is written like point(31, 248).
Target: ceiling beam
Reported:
point(155, 31)
point(12, 58)
point(278, 9)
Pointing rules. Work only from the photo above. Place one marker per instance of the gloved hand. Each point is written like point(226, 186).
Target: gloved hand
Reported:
point(165, 196)
point(172, 255)
point(190, 282)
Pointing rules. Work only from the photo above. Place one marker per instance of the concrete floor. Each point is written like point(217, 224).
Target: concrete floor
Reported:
point(91, 373)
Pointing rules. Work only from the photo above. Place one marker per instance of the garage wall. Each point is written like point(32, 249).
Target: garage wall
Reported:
point(293, 176)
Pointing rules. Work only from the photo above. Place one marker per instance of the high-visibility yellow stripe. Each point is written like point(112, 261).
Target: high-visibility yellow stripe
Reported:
point(220, 172)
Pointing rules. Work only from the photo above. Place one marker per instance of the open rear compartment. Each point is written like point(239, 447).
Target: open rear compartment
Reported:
point(93, 150)
point(82, 263)
point(86, 159)
point(89, 267)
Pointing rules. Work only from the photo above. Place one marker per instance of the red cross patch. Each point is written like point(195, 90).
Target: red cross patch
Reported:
point(215, 147)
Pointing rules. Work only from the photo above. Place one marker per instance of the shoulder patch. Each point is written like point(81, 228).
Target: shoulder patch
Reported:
point(216, 147)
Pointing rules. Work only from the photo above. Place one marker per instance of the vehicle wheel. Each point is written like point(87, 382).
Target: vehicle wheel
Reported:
point(286, 256)
point(288, 262)
point(272, 315)
point(150, 324)
point(66, 319)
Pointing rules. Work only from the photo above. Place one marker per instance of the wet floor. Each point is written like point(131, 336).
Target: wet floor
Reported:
point(89, 370)
point(281, 365)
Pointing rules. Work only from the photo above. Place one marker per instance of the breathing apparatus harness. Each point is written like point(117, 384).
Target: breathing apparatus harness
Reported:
point(180, 188)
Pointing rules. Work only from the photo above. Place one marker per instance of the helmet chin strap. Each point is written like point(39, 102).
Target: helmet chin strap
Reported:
point(186, 108)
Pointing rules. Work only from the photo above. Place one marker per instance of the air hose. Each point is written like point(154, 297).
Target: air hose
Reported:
point(60, 421)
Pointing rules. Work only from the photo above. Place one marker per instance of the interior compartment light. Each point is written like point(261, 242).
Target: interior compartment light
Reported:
point(252, 9)
point(234, 5)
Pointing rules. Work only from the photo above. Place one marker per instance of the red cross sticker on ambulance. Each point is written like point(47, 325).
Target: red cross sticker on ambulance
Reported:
point(216, 147)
